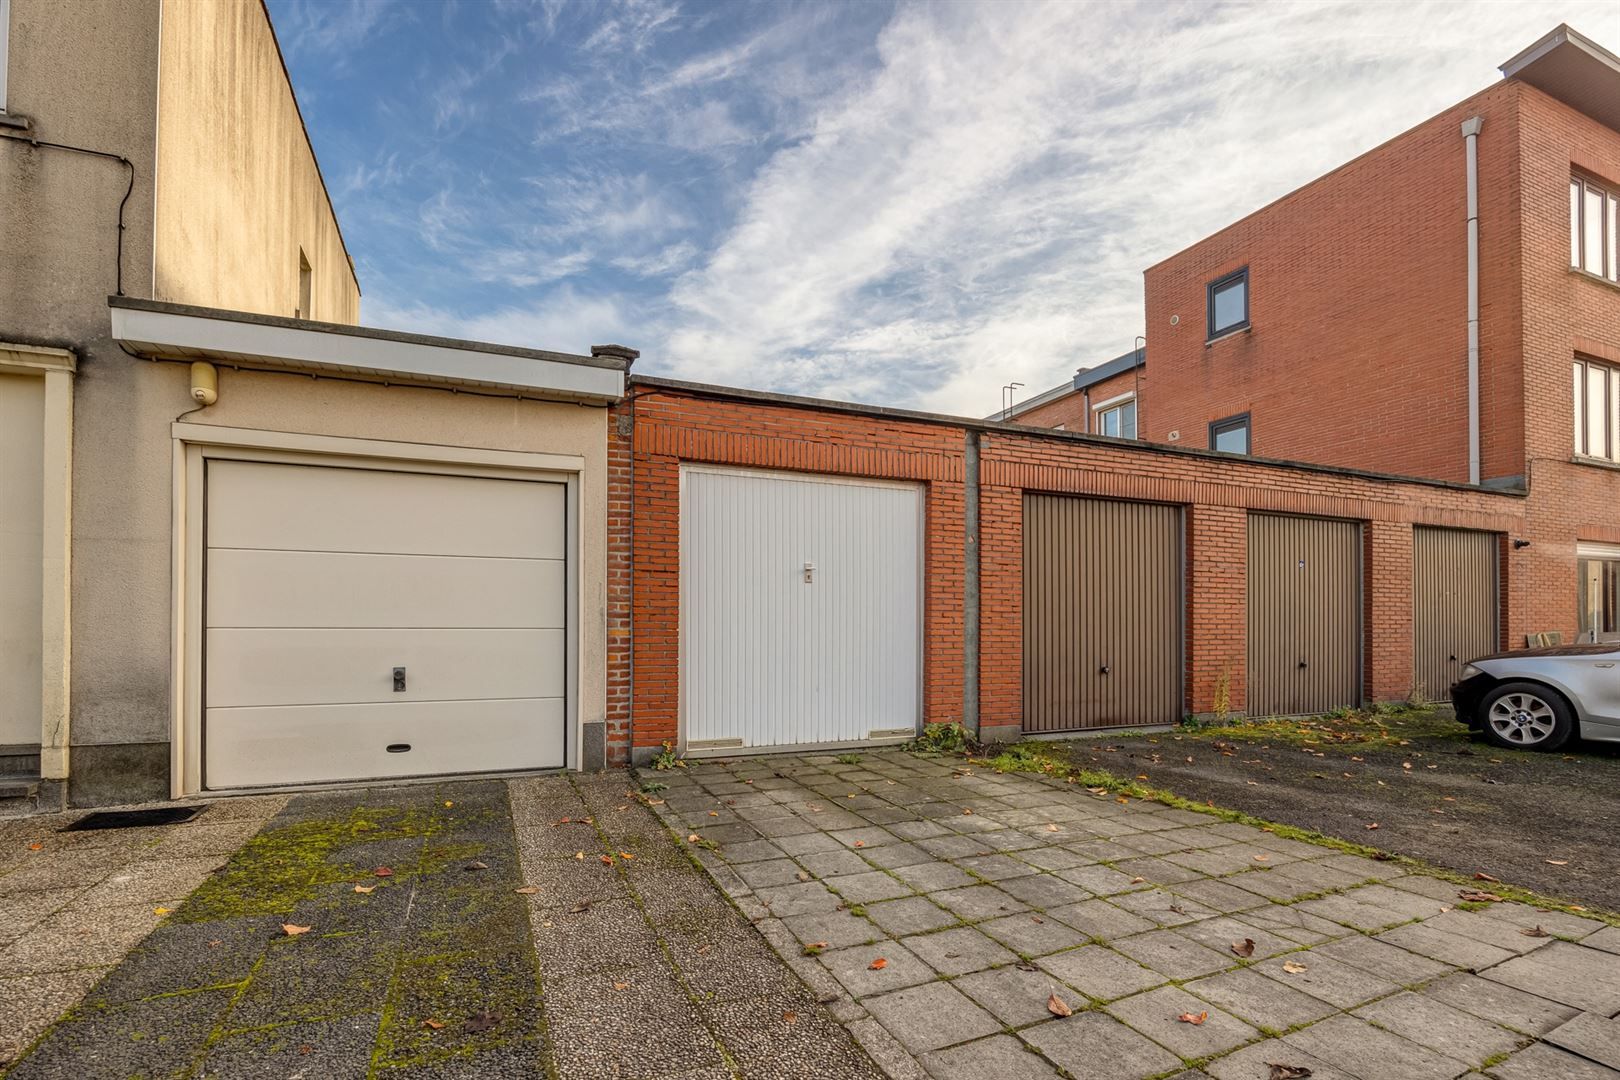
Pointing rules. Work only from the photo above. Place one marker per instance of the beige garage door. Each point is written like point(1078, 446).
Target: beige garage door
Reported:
point(365, 623)
point(1102, 613)
point(1304, 615)
point(1453, 605)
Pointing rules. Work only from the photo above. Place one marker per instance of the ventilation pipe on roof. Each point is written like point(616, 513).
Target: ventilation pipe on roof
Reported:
point(1470, 132)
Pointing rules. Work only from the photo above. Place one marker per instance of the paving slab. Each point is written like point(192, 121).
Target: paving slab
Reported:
point(1100, 973)
point(1436, 1025)
point(931, 1017)
point(1591, 1036)
point(1000, 1057)
point(1572, 974)
point(1361, 1049)
point(1157, 1013)
point(1543, 1062)
point(1095, 1046)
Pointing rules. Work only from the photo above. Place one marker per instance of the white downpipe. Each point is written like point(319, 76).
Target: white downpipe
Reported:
point(1470, 131)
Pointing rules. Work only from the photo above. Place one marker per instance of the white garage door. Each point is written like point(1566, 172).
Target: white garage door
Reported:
point(801, 610)
point(364, 623)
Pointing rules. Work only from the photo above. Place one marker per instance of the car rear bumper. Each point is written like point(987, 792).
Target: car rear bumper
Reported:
point(1466, 696)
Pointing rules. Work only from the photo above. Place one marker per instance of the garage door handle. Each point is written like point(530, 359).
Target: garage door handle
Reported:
point(1303, 665)
point(399, 680)
point(1105, 669)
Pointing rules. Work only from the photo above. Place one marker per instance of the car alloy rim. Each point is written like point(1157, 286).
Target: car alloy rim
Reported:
point(1522, 718)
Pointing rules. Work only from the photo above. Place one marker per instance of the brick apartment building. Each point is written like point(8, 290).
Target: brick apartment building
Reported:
point(1475, 257)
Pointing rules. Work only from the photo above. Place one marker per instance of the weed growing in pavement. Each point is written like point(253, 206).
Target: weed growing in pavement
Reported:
point(848, 759)
point(942, 739)
point(668, 758)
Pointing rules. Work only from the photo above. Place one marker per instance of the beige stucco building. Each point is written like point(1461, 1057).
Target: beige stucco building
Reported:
point(248, 543)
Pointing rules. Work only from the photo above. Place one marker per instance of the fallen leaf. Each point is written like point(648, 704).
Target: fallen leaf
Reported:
point(1294, 968)
point(626, 855)
point(35, 846)
point(1288, 1072)
point(790, 1017)
point(621, 986)
point(1137, 880)
point(1057, 1006)
point(1372, 825)
point(1557, 862)
point(1480, 875)
point(1022, 965)
point(1535, 931)
point(1244, 948)
point(607, 860)
point(803, 875)
point(1051, 828)
point(1194, 1018)
point(382, 871)
point(483, 1021)
point(579, 855)
point(1122, 800)
point(293, 931)
point(860, 843)
point(1262, 858)
point(434, 1024)
point(364, 888)
point(527, 890)
point(580, 908)
point(1475, 896)
point(878, 965)
point(448, 805)
point(965, 810)
point(694, 838)
point(476, 865)
point(161, 910)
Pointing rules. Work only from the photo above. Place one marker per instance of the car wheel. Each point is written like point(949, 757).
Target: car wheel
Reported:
point(1526, 716)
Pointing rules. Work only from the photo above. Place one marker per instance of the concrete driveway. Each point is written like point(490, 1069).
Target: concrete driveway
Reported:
point(948, 912)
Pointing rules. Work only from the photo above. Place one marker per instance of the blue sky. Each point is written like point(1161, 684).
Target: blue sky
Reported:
point(908, 204)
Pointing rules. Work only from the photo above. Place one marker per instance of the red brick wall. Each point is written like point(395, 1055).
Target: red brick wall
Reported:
point(1357, 351)
point(1565, 313)
point(671, 426)
point(1067, 412)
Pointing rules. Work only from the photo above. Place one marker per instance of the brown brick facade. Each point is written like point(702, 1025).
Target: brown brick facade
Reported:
point(660, 426)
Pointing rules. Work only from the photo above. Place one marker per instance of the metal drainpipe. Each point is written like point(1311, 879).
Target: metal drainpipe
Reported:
point(1085, 403)
point(1470, 132)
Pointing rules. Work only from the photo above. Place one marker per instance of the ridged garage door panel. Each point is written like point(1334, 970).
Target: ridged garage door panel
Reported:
point(319, 581)
point(1454, 605)
point(770, 659)
point(1304, 615)
point(1102, 613)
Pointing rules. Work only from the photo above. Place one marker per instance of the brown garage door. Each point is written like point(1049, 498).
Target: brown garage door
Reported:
point(1304, 615)
point(1102, 613)
point(1453, 605)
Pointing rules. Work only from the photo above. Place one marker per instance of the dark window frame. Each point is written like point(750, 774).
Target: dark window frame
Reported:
point(1241, 274)
point(1227, 423)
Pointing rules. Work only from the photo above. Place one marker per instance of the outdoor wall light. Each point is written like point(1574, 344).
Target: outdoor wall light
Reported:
point(1517, 544)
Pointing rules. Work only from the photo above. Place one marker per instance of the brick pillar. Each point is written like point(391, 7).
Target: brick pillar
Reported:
point(1001, 613)
point(1386, 599)
point(1217, 630)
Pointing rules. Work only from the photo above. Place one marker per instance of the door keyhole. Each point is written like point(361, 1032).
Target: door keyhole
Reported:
point(399, 680)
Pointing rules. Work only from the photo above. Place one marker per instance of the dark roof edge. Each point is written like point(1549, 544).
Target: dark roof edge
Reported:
point(1561, 34)
point(1045, 397)
point(348, 330)
point(1102, 372)
point(1007, 427)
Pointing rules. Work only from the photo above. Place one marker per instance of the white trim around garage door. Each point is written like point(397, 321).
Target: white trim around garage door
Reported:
point(194, 444)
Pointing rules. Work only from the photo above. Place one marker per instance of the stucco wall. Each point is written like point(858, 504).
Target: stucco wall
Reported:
point(122, 702)
point(239, 193)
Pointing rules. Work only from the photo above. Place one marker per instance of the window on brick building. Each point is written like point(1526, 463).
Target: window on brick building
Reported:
point(1116, 417)
point(1231, 435)
point(1594, 228)
point(1598, 591)
point(1229, 303)
point(1597, 410)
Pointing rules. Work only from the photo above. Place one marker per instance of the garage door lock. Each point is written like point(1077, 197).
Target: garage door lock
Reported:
point(399, 680)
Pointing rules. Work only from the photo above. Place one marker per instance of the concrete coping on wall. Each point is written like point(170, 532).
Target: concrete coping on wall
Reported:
point(158, 330)
point(1026, 430)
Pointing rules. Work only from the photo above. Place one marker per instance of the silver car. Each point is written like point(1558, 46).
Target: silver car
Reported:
point(1536, 699)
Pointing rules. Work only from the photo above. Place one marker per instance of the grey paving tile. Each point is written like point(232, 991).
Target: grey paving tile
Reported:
point(1607, 939)
point(867, 888)
point(979, 902)
point(1100, 973)
point(801, 898)
point(910, 915)
point(959, 951)
point(1364, 1050)
point(1500, 1004)
point(1015, 994)
point(1225, 935)
point(1095, 1046)
point(895, 856)
point(1590, 1036)
point(1030, 934)
point(1334, 982)
point(1572, 974)
point(1156, 1012)
point(334, 1047)
point(31, 1003)
point(836, 863)
point(931, 1016)
point(853, 968)
point(1441, 1028)
point(1173, 955)
point(934, 876)
point(1447, 948)
point(1254, 1062)
point(1000, 1057)
point(157, 1038)
point(771, 872)
point(837, 929)
point(1100, 919)
point(1542, 1062)
point(1162, 908)
point(1383, 959)
point(1101, 880)
point(1044, 891)
point(1264, 1002)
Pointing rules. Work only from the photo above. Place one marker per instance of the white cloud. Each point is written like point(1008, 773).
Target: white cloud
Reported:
point(562, 321)
point(981, 207)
